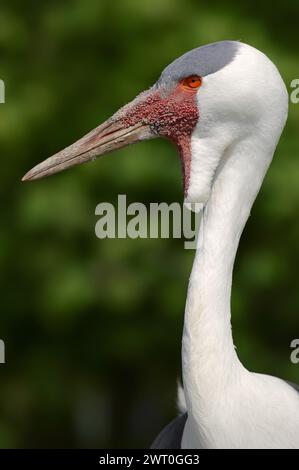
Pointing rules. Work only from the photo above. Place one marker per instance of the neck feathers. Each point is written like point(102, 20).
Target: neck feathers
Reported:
point(210, 363)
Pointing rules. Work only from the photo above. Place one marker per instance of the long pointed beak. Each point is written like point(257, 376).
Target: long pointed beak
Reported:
point(111, 135)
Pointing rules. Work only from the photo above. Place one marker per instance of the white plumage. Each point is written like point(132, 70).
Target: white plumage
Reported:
point(243, 111)
point(225, 106)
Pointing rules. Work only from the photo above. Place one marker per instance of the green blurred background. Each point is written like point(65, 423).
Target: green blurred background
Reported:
point(93, 327)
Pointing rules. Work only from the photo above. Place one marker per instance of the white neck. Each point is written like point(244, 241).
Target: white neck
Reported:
point(210, 363)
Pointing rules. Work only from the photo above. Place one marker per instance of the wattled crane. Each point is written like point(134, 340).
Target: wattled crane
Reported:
point(224, 105)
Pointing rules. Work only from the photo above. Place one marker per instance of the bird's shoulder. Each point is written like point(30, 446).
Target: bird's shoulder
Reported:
point(171, 436)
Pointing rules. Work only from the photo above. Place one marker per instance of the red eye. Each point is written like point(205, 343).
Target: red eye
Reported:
point(192, 82)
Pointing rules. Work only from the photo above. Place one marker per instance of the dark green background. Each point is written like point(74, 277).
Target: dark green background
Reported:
point(93, 327)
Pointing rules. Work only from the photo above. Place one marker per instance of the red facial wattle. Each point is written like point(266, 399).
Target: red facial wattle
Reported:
point(173, 115)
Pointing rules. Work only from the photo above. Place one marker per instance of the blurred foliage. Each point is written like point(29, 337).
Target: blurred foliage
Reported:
point(93, 327)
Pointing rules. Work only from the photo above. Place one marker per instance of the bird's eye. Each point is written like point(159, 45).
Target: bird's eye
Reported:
point(192, 82)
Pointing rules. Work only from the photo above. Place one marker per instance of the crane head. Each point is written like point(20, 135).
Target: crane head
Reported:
point(202, 102)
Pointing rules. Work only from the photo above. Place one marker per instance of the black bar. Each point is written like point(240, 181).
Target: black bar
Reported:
point(124, 458)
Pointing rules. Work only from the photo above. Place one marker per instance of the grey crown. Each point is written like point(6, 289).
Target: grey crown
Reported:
point(201, 61)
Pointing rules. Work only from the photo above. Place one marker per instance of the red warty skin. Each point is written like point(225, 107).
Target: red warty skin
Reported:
point(173, 116)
